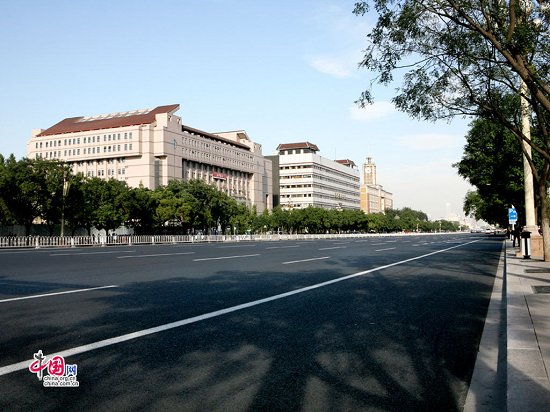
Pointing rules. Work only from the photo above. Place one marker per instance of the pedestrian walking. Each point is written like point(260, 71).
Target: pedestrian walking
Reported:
point(516, 234)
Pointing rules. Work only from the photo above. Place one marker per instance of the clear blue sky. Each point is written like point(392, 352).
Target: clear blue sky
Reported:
point(284, 71)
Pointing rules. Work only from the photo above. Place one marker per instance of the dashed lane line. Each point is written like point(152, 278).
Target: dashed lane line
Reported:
point(155, 255)
point(226, 257)
point(92, 253)
point(305, 260)
point(56, 293)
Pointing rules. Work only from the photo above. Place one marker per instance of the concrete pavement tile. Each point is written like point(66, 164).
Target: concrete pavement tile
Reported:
point(522, 339)
point(520, 319)
point(517, 301)
point(526, 364)
point(532, 395)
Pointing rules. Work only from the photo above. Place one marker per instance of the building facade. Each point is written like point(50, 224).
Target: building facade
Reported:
point(308, 179)
point(150, 147)
point(374, 199)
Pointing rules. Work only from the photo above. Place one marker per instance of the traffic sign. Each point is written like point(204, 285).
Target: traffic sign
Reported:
point(512, 215)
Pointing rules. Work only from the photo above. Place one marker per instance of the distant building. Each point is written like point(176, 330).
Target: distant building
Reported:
point(150, 147)
point(308, 179)
point(374, 199)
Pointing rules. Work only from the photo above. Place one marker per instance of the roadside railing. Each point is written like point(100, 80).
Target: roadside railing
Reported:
point(80, 241)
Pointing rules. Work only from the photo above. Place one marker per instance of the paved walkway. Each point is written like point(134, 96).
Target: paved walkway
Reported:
point(513, 364)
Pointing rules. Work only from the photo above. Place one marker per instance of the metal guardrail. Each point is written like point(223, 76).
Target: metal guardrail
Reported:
point(79, 241)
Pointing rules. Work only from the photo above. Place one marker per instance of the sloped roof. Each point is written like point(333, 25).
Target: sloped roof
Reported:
point(346, 162)
point(109, 121)
point(299, 145)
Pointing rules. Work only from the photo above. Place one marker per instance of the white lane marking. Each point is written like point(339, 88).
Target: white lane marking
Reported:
point(330, 248)
point(57, 293)
point(4, 370)
point(14, 252)
point(227, 247)
point(91, 253)
point(381, 250)
point(281, 247)
point(305, 260)
point(155, 255)
point(225, 257)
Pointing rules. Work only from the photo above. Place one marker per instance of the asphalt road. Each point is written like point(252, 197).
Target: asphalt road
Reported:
point(383, 323)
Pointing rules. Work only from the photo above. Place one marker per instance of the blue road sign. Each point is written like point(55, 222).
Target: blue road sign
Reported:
point(512, 215)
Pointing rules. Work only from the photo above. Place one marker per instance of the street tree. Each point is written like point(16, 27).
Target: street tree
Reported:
point(376, 222)
point(20, 191)
point(6, 218)
point(173, 206)
point(111, 201)
point(492, 163)
point(52, 177)
point(201, 201)
point(464, 58)
point(79, 204)
point(242, 219)
point(142, 209)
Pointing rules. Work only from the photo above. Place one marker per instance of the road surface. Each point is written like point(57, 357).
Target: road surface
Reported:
point(381, 323)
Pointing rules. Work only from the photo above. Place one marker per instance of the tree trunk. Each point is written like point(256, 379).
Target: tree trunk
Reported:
point(545, 221)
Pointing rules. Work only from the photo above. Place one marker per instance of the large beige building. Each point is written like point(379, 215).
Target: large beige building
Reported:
point(308, 179)
point(151, 147)
point(374, 199)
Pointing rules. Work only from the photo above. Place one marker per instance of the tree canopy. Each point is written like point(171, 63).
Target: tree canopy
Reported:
point(464, 58)
point(47, 189)
point(492, 163)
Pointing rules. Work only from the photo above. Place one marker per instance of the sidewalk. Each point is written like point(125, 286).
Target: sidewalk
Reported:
point(513, 362)
point(528, 332)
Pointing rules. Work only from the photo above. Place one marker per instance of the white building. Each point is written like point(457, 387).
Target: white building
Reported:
point(151, 147)
point(307, 179)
